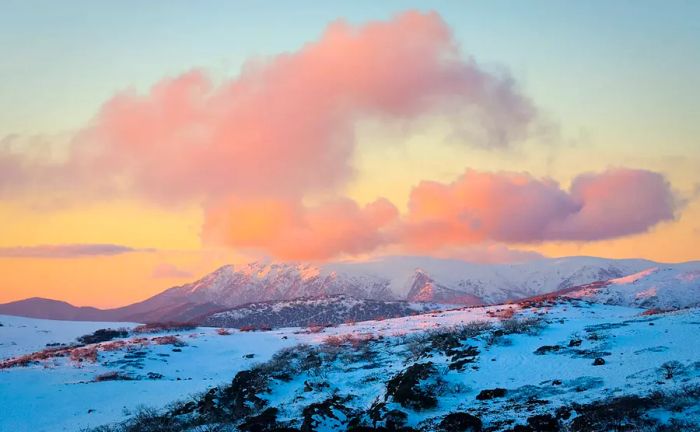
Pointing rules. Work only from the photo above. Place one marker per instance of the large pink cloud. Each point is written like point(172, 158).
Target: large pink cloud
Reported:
point(284, 126)
point(516, 207)
point(288, 230)
point(472, 217)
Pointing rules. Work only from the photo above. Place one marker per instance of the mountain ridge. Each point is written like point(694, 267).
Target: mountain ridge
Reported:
point(413, 279)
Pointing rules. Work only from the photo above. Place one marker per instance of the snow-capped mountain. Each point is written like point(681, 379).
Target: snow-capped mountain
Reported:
point(489, 283)
point(415, 279)
point(418, 279)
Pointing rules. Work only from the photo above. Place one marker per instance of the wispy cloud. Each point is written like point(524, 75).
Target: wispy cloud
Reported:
point(67, 251)
point(170, 271)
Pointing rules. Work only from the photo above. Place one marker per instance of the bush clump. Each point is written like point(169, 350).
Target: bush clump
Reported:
point(163, 327)
point(406, 389)
point(103, 335)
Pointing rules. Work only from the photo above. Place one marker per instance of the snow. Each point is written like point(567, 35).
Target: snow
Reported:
point(68, 401)
point(634, 345)
point(635, 349)
point(670, 287)
point(19, 335)
point(634, 277)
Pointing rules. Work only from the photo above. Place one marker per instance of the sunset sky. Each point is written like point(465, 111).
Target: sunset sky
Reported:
point(144, 144)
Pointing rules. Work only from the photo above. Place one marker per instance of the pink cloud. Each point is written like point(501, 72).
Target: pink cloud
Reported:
point(488, 253)
point(170, 271)
point(288, 230)
point(471, 218)
point(516, 207)
point(284, 126)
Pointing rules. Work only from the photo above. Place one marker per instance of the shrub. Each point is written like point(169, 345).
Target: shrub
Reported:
point(266, 421)
point(654, 311)
point(112, 376)
point(314, 328)
point(87, 354)
point(355, 341)
point(531, 326)
point(546, 349)
point(163, 327)
point(502, 313)
point(671, 368)
point(168, 340)
point(103, 335)
point(405, 387)
point(314, 414)
point(460, 421)
point(491, 393)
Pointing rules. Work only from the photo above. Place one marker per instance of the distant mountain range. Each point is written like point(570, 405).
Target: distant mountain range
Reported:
point(393, 279)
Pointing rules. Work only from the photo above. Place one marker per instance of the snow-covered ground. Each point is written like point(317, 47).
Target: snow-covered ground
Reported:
point(19, 335)
point(57, 394)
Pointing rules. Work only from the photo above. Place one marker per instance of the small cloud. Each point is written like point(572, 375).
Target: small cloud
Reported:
point(67, 251)
point(169, 271)
point(493, 253)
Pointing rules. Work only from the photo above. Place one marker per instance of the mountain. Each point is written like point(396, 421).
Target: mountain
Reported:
point(654, 288)
point(414, 279)
point(317, 311)
point(37, 307)
point(425, 289)
point(454, 281)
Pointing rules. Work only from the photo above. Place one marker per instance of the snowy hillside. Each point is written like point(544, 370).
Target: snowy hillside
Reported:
point(661, 287)
point(20, 335)
point(554, 364)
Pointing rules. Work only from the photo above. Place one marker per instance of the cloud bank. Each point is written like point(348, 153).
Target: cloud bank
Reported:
point(477, 208)
point(516, 207)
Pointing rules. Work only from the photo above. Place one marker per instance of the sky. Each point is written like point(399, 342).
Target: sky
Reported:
point(142, 145)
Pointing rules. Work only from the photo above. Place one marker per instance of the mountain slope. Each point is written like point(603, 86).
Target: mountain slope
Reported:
point(572, 366)
point(36, 307)
point(317, 311)
point(657, 287)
